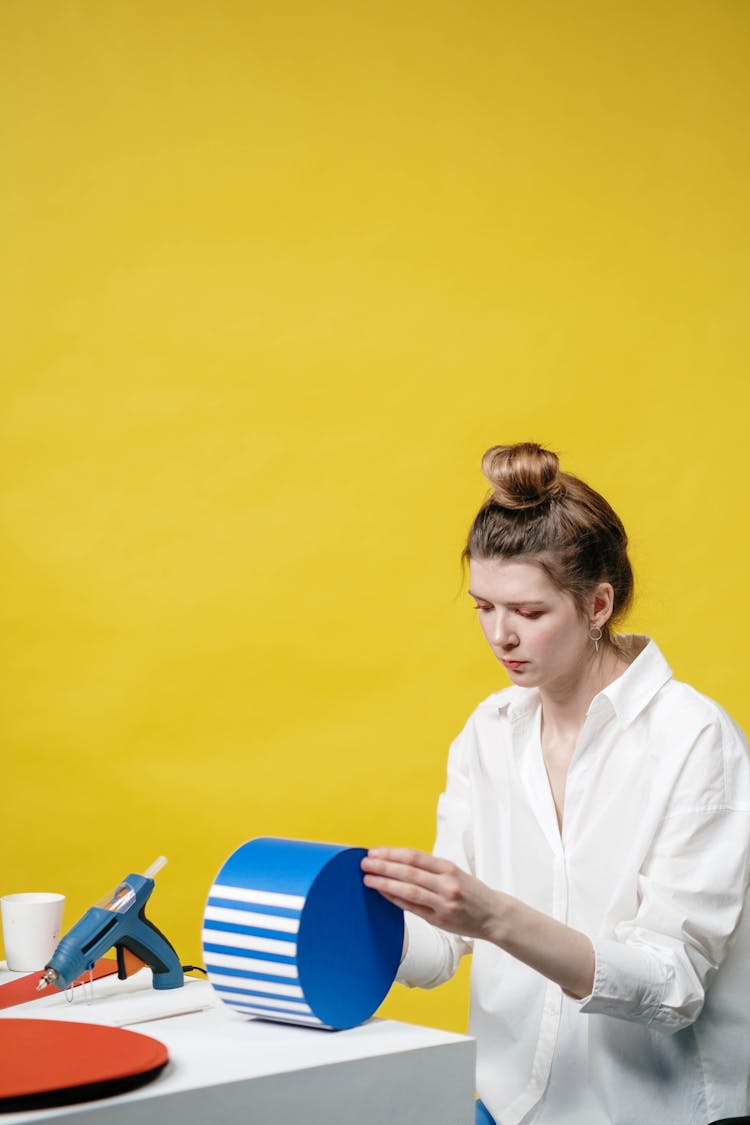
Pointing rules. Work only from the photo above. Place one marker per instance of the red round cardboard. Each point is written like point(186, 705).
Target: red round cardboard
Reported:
point(53, 1062)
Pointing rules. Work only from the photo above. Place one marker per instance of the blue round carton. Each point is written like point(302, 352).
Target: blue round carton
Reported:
point(291, 933)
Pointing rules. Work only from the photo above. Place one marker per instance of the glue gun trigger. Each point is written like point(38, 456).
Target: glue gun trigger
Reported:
point(127, 962)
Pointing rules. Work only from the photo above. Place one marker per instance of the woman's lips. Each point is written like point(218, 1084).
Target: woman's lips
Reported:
point(514, 665)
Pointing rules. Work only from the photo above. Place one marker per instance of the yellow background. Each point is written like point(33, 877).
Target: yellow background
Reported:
point(273, 277)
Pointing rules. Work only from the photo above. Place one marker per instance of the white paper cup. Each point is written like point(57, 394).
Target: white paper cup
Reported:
point(31, 929)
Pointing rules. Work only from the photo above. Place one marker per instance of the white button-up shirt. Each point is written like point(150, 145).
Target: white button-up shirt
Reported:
point(653, 864)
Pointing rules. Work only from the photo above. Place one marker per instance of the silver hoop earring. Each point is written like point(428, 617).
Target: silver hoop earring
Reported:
point(596, 635)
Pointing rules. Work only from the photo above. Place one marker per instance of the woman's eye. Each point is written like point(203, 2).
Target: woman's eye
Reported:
point(482, 608)
point(529, 614)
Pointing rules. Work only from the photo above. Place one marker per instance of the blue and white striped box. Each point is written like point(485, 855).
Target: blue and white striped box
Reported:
point(291, 933)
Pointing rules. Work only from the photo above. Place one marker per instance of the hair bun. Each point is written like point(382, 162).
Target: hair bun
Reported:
point(523, 475)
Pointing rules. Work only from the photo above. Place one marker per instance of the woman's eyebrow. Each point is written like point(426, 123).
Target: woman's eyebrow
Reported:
point(525, 601)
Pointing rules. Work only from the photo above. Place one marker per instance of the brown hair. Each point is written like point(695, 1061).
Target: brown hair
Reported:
point(554, 519)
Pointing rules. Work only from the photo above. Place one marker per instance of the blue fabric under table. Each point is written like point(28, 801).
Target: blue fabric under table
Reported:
point(483, 1116)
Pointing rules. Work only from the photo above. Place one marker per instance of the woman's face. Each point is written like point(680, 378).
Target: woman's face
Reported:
point(534, 629)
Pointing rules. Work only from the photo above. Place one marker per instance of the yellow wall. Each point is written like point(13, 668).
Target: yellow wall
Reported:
point(273, 277)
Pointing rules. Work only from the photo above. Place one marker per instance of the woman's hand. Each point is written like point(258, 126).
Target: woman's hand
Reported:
point(451, 899)
point(436, 889)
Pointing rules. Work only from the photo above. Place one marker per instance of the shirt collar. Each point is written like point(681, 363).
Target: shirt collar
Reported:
point(517, 701)
point(628, 695)
point(647, 673)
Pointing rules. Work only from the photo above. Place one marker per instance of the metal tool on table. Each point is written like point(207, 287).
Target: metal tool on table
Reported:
point(119, 920)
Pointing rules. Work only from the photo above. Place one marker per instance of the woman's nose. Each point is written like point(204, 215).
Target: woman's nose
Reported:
point(504, 636)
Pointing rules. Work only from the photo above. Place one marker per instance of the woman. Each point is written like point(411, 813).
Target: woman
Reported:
point(593, 839)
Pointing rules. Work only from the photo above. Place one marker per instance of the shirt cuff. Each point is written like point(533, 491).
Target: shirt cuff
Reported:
point(428, 960)
point(629, 982)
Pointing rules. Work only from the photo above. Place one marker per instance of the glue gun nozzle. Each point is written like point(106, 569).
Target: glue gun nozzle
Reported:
point(49, 976)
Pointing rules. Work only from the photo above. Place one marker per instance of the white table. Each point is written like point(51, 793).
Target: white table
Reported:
point(225, 1068)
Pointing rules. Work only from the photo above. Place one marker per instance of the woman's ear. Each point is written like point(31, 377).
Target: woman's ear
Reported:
point(601, 604)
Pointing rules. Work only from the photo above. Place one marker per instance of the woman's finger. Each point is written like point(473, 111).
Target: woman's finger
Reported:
point(403, 873)
point(409, 895)
point(408, 864)
point(413, 908)
point(411, 857)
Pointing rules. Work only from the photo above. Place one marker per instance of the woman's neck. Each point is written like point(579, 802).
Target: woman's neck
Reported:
point(564, 705)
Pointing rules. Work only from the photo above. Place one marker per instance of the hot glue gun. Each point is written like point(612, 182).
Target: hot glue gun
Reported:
point(119, 920)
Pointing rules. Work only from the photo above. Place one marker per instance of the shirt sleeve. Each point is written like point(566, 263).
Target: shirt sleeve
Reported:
point(656, 967)
point(433, 955)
